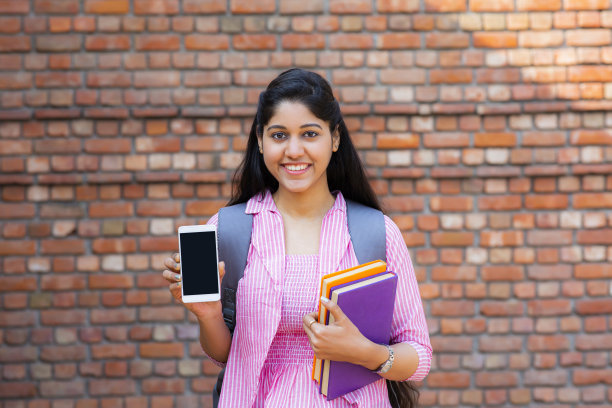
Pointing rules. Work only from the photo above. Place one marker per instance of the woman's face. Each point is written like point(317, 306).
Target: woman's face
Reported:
point(297, 147)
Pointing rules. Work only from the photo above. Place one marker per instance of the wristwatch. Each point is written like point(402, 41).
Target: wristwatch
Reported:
point(386, 366)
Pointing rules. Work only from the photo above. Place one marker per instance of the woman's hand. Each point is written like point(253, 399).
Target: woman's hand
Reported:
point(341, 340)
point(202, 310)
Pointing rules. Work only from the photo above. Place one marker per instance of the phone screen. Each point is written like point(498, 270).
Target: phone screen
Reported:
point(199, 263)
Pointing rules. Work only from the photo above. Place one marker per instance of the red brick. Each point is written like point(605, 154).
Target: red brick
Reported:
point(445, 6)
point(350, 6)
point(538, 5)
point(107, 6)
point(203, 42)
point(397, 6)
point(113, 245)
point(158, 244)
point(398, 41)
point(151, 145)
point(549, 307)
point(301, 7)
point(594, 307)
point(446, 239)
point(158, 209)
point(494, 139)
point(58, 80)
point(502, 273)
point(448, 380)
point(67, 246)
point(113, 351)
point(397, 141)
point(108, 146)
point(586, 4)
point(501, 238)
point(548, 343)
point(446, 139)
point(108, 79)
point(591, 137)
point(452, 204)
point(495, 39)
point(450, 76)
point(500, 203)
point(548, 202)
point(485, 5)
point(15, 211)
point(108, 387)
point(14, 283)
point(161, 350)
point(592, 377)
point(595, 237)
point(168, 386)
point(209, 207)
point(62, 282)
point(14, 44)
point(444, 40)
point(157, 42)
point(502, 308)
point(156, 6)
point(15, 389)
point(107, 42)
point(350, 41)
point(102, 210)
point(590, 74)
point(303, 41)
point(497, 379)
point(588, 37)
point(252, 7)
point(14, 7)
point(254, 42)
point(204, 6)
point(500, 75)
point(450, 273)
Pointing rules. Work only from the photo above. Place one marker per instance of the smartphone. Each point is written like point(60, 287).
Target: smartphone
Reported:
point(199, 263)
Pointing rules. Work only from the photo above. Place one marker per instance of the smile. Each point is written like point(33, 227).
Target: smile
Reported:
point(296, 168)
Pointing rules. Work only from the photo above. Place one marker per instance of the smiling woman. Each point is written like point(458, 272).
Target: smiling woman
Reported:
point(299, 169)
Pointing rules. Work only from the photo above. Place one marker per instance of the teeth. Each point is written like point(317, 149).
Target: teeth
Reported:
point(297, 167)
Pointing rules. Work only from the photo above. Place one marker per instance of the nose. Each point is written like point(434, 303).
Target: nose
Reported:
point(295, 148)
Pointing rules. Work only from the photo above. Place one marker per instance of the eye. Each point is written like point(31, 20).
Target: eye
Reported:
point(310, 133)
point(278, 135)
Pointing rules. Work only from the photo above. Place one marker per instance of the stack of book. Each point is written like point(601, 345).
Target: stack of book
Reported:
point(366, 295)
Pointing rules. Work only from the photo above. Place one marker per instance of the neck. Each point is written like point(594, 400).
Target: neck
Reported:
point(304, 205)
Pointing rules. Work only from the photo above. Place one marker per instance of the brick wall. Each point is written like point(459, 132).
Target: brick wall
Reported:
point(484, 126)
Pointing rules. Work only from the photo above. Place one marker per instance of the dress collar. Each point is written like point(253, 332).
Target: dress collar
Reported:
point(264, 202)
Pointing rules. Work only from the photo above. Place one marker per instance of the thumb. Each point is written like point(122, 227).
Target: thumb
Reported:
point(221, 271)
point(334, 309)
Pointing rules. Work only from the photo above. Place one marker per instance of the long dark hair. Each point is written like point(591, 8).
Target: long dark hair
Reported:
point(345, 172)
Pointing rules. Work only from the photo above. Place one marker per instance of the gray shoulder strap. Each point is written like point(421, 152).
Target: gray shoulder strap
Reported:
point(234, 237)
point(368, 234)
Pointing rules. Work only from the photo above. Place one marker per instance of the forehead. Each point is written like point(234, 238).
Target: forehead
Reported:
point(291, 113)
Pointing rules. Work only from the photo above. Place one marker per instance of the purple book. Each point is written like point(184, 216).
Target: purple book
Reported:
point(368, 303)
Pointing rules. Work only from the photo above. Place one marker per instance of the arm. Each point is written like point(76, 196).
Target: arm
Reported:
point(342, 341)
point(215, 337)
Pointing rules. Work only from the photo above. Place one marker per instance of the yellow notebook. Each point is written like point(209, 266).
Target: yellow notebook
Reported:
point(329, 281)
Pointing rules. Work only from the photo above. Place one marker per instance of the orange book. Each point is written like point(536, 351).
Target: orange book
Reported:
point(329, 281)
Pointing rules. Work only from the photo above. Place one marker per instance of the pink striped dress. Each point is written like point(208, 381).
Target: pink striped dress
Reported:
point(270, 361)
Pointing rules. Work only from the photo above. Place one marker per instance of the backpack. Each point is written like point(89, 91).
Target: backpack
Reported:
point(366, 228)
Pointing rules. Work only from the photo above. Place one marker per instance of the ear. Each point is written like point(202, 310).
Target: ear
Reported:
point(335, 139)
point(260, 143)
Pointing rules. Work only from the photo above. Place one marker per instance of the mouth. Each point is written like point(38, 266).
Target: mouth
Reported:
point(297, 168)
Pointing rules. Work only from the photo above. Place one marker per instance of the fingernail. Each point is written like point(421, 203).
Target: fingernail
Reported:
point(178, 284)
point(324, 299)
point(177, 276)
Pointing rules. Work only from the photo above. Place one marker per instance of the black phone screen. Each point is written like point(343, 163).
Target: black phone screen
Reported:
point(199, 263)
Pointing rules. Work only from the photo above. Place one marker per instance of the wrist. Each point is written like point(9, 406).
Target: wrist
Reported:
point(376, 355)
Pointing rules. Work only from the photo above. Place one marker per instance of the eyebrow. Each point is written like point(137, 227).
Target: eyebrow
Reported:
point(303, 126)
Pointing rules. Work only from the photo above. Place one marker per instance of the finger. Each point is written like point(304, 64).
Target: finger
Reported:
point(175, 290)
point(170, 264)
point(308, 322)
point(171, 276)
point(176, 257)
point(221, 270)
point(333, 308)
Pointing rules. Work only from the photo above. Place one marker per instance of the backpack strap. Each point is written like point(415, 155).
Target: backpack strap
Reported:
point(234, 237)
point(366, 227)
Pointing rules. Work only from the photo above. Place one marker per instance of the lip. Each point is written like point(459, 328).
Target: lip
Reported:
point(303, 168)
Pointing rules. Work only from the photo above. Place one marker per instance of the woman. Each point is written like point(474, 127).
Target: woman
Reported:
point(300, 167)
